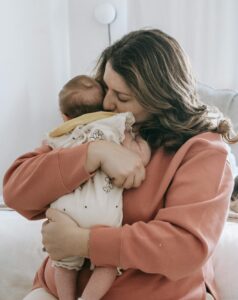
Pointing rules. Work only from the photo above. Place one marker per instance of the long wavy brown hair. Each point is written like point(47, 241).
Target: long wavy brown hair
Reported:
point(158, 72)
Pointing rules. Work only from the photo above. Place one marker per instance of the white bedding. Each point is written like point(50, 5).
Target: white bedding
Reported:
point(226, 262)
point(21, 254)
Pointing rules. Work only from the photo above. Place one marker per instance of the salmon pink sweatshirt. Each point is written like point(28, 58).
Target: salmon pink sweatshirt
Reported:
point(171, 224)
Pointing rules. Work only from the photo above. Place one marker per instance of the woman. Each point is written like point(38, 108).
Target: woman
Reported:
point(174, 211)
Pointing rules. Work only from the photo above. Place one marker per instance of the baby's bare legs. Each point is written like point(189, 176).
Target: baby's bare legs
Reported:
point(66, 283)
point(99, 283)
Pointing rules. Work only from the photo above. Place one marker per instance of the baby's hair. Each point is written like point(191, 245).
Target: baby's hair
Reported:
point(80, 95)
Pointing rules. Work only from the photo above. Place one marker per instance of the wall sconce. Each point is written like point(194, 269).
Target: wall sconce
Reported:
point(105, 13)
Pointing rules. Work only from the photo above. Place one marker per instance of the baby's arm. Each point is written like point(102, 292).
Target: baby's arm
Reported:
point(138, 145)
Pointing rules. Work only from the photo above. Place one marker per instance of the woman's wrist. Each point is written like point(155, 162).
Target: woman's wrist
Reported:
point(93, 161)
point(82, 242)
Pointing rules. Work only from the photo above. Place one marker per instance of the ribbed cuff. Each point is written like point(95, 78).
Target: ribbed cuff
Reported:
point(105, 246)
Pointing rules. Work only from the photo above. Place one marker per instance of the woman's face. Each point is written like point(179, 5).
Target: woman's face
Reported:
point(119, 97)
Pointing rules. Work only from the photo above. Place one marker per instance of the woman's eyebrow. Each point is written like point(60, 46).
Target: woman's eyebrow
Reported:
point(116, 91)
point(122, 93)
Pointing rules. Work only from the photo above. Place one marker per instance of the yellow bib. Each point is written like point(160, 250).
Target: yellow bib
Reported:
point(68, 126)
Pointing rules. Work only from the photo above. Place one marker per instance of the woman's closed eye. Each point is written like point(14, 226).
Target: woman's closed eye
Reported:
point(123, 97)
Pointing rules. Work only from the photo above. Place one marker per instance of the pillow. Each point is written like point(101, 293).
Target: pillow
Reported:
point(233, 163)
point(227, 101)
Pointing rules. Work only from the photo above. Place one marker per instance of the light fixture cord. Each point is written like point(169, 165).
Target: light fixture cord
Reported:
point(109, 34)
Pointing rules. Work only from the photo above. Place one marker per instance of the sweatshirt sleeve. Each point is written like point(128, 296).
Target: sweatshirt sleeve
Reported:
point(184, 233)
point(38, 178)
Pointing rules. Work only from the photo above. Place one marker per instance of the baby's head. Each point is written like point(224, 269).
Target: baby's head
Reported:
point(81, 95)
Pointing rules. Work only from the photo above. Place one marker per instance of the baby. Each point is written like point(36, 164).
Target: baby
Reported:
point(98, 201)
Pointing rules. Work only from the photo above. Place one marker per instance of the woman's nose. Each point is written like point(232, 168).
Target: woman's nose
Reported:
point(108, 102)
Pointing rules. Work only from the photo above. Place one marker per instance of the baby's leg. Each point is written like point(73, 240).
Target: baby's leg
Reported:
point(99, 283)
point(65, 281)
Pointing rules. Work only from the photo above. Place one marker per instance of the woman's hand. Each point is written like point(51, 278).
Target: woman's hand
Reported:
point(123, 166)
point(62, 237)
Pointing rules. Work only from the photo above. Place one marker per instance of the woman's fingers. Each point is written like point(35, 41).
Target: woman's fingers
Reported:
point(133, 180)
point(125, 167)
point(62, 237)
point(128, 183)
point(139, 178)
point(121, 164)
point(49, 232)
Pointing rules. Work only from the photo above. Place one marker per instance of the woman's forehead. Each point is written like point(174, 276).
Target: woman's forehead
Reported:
point(114, 81)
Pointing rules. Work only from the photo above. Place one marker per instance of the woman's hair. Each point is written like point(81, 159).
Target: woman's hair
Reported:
point(158, 72)
point(80, 95)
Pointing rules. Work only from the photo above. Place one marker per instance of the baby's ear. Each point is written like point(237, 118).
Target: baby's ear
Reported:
point(65, 118)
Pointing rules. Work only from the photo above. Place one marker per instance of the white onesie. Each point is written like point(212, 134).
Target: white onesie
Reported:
point(97, 201)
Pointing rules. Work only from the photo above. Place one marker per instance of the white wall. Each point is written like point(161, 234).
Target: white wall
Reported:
point(34, 62)
point(88, 37)
point(43, 44)
point(206, 29)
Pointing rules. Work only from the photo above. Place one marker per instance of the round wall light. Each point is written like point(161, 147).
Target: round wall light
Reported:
point(105, 13)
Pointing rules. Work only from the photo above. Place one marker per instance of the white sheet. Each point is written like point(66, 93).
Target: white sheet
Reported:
point(226, 262)
point(20, 254)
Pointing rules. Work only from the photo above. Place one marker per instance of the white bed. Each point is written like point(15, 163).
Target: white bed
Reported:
point(20, 254)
